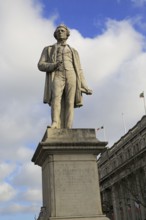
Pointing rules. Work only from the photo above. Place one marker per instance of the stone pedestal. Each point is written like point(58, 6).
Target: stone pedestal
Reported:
point(70, 183)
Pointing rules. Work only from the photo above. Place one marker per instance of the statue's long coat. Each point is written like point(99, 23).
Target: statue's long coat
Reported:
point(48, 57)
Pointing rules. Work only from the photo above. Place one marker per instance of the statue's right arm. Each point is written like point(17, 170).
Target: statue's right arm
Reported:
point(44, 64)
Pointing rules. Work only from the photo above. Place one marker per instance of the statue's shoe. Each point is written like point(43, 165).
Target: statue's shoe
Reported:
point(54, 125)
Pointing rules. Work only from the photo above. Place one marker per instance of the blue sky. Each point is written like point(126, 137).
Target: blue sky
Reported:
point(89, 16)
point(110, 38)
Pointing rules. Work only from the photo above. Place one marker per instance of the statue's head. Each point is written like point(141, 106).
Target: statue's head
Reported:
point(59, 28)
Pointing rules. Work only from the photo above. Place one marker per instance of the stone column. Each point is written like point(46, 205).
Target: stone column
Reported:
point(123, 205)
point(140, 211)
point(144, 169)
point(68, 158)
point(115, 203)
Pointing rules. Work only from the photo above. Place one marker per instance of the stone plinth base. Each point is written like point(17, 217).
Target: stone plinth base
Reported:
point(68, 158)
point(98, 217)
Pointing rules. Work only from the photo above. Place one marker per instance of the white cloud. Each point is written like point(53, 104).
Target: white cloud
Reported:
point(5, 170)
point(7, 192)
point(103, 56)
point(24, 154)
point(33, 195)
point(16, 208)
point(138, 3)
point(27, 175)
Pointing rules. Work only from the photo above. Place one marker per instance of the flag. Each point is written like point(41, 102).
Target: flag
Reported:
point(100, 128)
point(141, 95)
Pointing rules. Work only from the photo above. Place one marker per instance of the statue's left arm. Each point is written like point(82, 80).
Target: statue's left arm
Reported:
point(84, 86)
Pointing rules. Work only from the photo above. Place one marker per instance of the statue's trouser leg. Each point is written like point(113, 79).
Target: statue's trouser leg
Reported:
point(57, 91)
point(67, 80)
point(70, 89)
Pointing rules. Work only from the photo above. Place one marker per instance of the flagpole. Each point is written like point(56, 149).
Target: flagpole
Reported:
point(142, 96)
point(144, 105)
point(104, 133)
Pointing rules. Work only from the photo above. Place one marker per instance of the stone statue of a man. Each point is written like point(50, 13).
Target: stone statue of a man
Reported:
point(65, 81)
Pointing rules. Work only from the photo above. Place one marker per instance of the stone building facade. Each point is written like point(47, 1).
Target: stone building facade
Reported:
point(122, 171)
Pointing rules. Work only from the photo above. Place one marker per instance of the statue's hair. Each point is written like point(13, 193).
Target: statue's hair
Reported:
point(66, 28)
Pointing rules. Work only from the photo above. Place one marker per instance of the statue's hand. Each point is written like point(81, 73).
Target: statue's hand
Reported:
point(58, 64)
point(55, 66)
point(86, 91)
point(89, 92)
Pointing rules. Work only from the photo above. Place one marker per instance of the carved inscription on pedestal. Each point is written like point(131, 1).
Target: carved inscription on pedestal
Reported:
point(76, 187)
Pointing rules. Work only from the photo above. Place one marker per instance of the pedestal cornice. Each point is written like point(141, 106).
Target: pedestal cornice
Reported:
point(68, 141)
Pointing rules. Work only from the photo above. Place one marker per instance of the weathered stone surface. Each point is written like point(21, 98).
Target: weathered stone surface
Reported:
point(69, 173)
point(68, 141)
point(65, 81)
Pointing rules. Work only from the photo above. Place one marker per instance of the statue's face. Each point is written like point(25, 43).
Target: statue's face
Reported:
point(61, 33)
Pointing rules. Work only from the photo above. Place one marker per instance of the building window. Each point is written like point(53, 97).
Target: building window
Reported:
point(121, 158)
point(128, 152)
